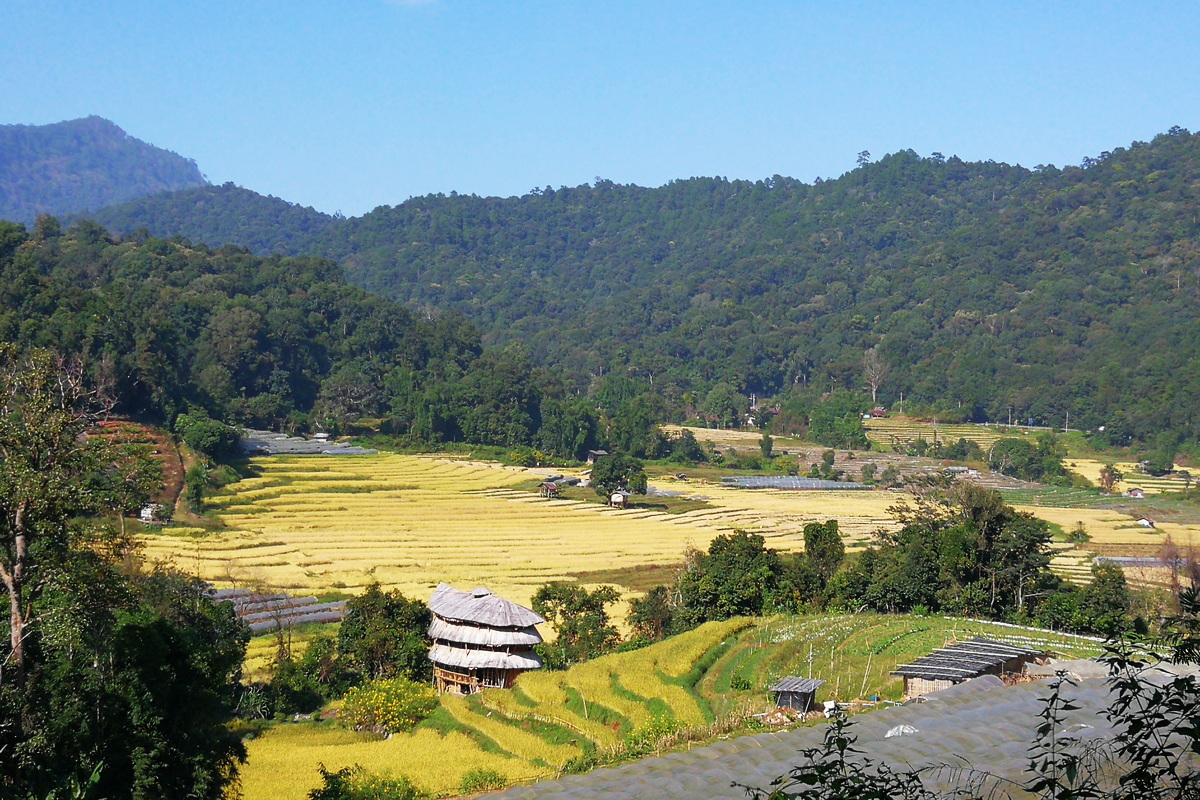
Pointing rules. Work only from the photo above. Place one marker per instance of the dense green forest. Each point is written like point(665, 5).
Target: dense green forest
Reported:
point(219, 215)
point(166, 328)
point(974, 289)
point(82, 164)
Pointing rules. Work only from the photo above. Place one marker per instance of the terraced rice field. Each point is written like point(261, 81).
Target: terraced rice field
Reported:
point(1090, 469)
point(890, 431)
point(524, 733)
point(312, 523)
point(740, 439)
point(551, 717)
point(780, 515)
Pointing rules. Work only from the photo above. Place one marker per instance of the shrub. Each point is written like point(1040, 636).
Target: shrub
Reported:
point(196, 483)
point(740, 683)
point(207, 436)
point(392, 705)
point(222, 476)
point(481, 779)
point(647, 738)
point(355, 783)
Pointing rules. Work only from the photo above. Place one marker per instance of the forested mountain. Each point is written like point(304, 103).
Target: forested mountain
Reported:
point(276, 342)
point(981, 289)
point(82, 164)
point(982, 285)
point(219, 215)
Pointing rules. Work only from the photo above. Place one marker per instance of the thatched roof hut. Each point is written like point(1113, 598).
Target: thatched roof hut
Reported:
point(480, 640)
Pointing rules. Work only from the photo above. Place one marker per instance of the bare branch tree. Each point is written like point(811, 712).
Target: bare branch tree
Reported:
point(875, 370)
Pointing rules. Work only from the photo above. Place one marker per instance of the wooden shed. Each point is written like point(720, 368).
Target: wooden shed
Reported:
point(962, 661)
point(797, 693)
point(619, 499)
point(480, 640)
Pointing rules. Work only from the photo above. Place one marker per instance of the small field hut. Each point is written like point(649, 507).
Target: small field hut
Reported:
point(961, 662)
point(480, 640)
point(797, 693)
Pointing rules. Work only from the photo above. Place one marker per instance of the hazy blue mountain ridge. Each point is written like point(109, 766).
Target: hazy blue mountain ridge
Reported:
point(82, 164)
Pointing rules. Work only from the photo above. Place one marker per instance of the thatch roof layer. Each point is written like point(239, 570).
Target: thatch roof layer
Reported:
point(441, 630)
point(462, 658)
point(480, 606)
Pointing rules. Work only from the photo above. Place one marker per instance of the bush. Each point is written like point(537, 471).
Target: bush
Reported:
point(481, 779)
point(222, 476)
point(205, 435)
point(196, 483)
point(647, 738)
point(355, 783)
point(740, 684)
point(392, 705)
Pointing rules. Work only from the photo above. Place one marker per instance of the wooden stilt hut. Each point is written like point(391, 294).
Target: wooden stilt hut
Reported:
point(480, 640)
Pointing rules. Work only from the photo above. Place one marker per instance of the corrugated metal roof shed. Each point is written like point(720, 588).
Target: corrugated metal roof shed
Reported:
point(981, 723)
point(787, 482)
point(481, 607)
point(797, 685)
point(963, 660)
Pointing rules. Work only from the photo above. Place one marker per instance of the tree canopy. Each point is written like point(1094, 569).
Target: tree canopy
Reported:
point(110, 670)
point(980, 290)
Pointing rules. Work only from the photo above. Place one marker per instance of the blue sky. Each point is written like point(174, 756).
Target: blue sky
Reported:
point(354, 104)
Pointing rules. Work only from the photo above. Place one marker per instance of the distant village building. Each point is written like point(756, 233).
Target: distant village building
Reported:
point(961, 662)
point(592, 455)
point(549, 489)
point(798, 694)
point(1146, 522)
point(480, 640)
point(1138, 493)
point(619, 499)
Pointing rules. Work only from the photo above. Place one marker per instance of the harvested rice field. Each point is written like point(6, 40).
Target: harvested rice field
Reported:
point(409, 522)
point(903, 431)
point(1090, 469)
point(739, 439)
point(780, 515)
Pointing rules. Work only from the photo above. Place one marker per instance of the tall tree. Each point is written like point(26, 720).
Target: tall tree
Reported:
point(384, 632)
point(875, 370)
point(823, 547)
point(108, 668)
point(44, 460)
point(618, 471)
point(580, 620)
